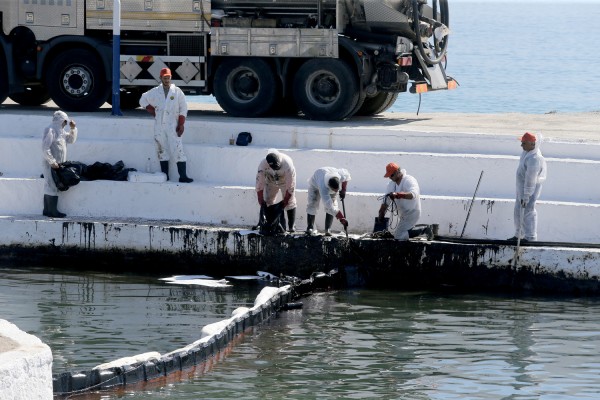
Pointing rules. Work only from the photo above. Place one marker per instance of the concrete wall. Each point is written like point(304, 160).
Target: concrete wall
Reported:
point(25, 365)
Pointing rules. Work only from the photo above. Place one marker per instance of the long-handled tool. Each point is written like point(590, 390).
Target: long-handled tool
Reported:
point(471, 206)
point(517, 251)
point(344, 209)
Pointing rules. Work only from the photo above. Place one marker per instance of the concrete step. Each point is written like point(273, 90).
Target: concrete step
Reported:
point(438, 174)
point(207, 204)
point(355, 135)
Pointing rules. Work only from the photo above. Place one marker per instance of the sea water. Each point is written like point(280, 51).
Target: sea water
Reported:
point(515, 56)
point(342, 344)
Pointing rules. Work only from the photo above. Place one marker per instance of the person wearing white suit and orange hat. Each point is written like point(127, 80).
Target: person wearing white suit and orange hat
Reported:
point(167, 104)
point(531, 174)
point(403, 191)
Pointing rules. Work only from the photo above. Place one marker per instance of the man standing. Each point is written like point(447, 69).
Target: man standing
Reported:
point(325, 183)
point(531, 173)
point(404, 195)
point(54, 148)
point(276, 173)
point(166, 103)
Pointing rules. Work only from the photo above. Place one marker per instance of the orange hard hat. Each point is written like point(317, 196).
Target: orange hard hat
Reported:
point(528, 137)
point(390, 169)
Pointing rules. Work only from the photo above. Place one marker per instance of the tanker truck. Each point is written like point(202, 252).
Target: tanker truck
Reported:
point(323, 59)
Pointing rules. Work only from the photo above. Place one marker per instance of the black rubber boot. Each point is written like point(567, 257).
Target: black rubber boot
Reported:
point(183, 178)
point(46, 211)
point(51, 207)
point(164, 167)
point(291, 214)
point(328, 223)
point(310, 222)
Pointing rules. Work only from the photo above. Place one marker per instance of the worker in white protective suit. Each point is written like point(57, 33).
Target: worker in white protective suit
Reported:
point(325, 184)
point(531, 174)
point(166, 103)
point(54, 149)
point(276, 173)
point(404, 197)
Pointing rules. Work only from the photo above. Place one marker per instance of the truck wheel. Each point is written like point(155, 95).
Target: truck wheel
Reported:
point(76, 81)
point(326, 89)
point(377, 104)
point(32, 96)
point(245, 88)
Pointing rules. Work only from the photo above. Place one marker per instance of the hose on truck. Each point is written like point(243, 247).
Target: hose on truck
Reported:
point(440, 47)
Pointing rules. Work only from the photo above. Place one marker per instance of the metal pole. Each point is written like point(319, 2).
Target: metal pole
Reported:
point(471, 206)
point(116, 68)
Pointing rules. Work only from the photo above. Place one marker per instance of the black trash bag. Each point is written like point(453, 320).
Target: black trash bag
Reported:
point(272, 220)
point(107, 171)
point(66, 175)
point(243, 139)
point(77, 166)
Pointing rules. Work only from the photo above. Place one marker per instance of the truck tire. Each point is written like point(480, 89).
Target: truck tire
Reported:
point(32, 96)
point(75, 80)
point(246, 87)
point(326, 89)
point(377, 104)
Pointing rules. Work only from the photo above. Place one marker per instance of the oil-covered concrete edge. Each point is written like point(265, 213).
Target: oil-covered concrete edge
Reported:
point(362, 261)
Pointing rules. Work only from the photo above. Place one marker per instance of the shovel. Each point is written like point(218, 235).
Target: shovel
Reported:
point(344, 209)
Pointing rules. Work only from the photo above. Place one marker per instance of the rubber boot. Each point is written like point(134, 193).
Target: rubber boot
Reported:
point(310, 221)
point(291, 214)
point(164, 167)
point(46, 211)
point(183, 178)
point(328, 223)
point(51, 210)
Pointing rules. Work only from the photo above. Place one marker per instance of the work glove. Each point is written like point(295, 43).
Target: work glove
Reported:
point(342, 219)
point(343, 191)
point(180, 127)
point(261, 200)
point(287, 198)
point(151, 110)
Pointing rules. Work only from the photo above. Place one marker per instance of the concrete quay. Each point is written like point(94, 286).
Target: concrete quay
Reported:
point(199, 223)
point(446, 153)
point(25, 365)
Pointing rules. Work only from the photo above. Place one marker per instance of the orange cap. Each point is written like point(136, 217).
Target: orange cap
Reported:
point(528, 137)
point(165, 72)
point(390, 169)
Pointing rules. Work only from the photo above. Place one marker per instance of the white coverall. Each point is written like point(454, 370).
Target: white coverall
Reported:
point(54, 148)
point(317, 189)
point(409, 210)
point(531, 173)
point(272, 181)
point(168, 109)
